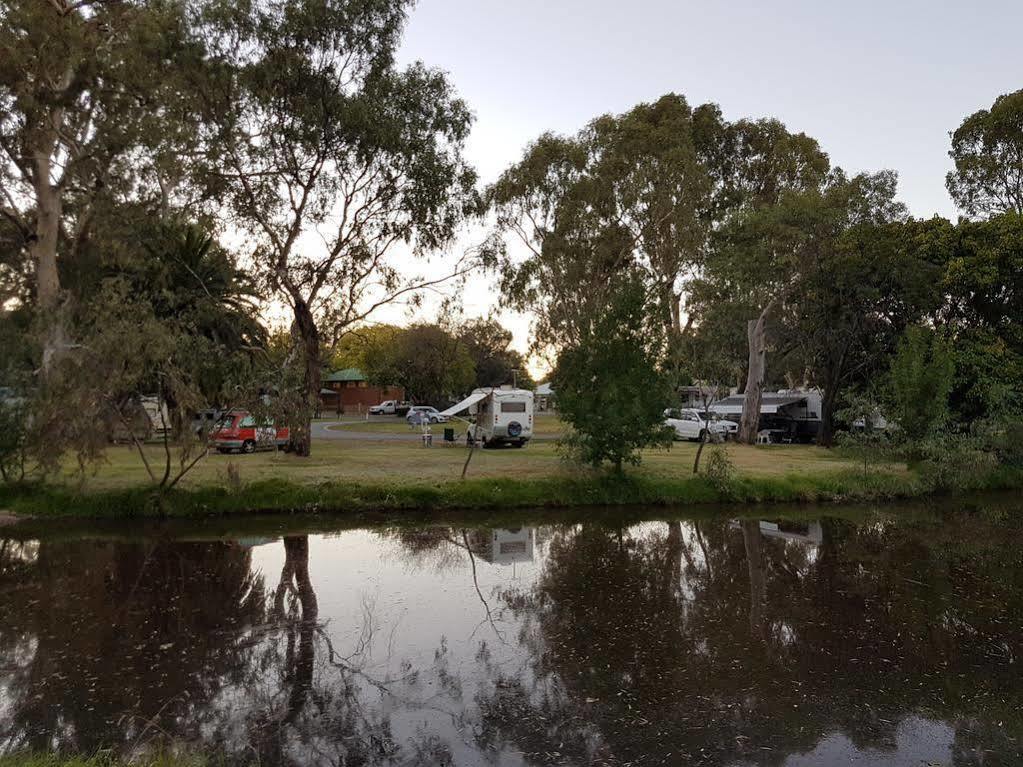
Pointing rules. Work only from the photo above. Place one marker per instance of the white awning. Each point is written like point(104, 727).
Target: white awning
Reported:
point(768, 406)
point(465, 404)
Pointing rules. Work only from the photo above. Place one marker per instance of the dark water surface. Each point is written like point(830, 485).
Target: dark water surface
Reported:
point(867, 637)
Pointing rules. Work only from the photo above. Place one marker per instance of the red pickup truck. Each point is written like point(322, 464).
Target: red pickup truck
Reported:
point(239, 431)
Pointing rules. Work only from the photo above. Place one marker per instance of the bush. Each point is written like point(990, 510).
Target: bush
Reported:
point(609, 386)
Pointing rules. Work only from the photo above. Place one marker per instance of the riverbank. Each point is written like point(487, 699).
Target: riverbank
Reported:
point(564, 490)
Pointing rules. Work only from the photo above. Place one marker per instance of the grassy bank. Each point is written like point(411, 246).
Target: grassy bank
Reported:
point(561, 490)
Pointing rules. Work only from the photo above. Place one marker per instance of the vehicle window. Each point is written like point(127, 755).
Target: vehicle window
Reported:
point(247, 422)
point(673, 413)
point(226, 423)
point(513, 407)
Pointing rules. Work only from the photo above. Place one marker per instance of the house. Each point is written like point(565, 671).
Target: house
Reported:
point(350, 391)
point(543, 397)
point(790, 415)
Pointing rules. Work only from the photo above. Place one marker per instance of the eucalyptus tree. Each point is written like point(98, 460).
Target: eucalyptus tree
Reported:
point(94, 103)
point(647, 188)
point(821, 265)
point(987, 149)
point(333, 161)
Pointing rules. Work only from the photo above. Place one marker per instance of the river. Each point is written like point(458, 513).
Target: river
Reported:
point(866, 636)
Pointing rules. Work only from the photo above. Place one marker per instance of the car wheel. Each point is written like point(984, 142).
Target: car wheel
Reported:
point(248, 446)
point(433, 419)
point(703, 435)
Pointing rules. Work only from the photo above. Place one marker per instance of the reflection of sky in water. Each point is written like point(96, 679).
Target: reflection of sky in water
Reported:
point(763, 643)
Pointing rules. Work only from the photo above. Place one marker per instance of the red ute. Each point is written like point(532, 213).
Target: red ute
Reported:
point(238, 430)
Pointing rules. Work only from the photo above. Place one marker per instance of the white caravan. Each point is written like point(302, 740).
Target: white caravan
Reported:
point(502, 416)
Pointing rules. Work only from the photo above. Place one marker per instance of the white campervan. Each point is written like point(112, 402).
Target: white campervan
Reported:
point(503, 415)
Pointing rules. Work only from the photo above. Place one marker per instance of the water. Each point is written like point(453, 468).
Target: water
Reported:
point(866, 637)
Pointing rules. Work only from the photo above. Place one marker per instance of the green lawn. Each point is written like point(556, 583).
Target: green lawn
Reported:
point(408, 462)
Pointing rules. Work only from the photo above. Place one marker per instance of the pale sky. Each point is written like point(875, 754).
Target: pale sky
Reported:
point(878, 84)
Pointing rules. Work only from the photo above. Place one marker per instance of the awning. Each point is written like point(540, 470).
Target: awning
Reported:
point(465, 404)
point(768, 406)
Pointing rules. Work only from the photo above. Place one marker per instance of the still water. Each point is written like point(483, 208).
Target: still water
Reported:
point(867, 637)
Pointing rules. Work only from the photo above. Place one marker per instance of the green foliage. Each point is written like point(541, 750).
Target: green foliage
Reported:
point(642, 190)
point(496, 364)
point(351, 350)
point(920, 380)
point(719, 469)
point(986, 149)
point(609, 386)
point(428, 361)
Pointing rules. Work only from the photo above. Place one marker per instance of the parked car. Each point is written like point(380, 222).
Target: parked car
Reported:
point(239, 431)
point(391, 407)
point(689, 423)
point(424, 413)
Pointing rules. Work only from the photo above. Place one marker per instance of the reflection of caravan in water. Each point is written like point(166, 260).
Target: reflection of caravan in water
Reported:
point(801, 532)
point(507, 546)
point(502, 416)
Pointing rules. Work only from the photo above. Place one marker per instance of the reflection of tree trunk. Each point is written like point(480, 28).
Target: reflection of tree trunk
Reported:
point(674, 556)
point(296, 566)
point(703, 548)
point(757, 582)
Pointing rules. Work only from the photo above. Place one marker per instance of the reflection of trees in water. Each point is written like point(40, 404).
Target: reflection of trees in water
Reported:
point(763, 644)
point(708, 643)
point(91, 632)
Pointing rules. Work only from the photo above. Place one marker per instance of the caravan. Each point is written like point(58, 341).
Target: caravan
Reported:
point(501, 416)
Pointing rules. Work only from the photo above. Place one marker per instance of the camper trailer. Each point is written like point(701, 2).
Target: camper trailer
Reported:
point(497, 416)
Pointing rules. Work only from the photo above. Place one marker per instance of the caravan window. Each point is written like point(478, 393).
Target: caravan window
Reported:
point(513, 407)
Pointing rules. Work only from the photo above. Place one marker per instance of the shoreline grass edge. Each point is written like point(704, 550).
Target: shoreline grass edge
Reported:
point(283, 497)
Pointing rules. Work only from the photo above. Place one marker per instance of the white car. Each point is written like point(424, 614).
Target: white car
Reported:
point(688, 423)
point(424, 414)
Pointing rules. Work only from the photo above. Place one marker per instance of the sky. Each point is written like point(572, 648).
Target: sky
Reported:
point(878, 84)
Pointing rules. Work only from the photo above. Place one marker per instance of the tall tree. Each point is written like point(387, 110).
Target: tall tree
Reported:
point(646, 188)
point(92, 99)
point(796, 260)
point(428, 361)
point(489, 346)
point(987, 149)
point(335, 159)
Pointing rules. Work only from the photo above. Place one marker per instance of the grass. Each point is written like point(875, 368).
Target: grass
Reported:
point(358, 477)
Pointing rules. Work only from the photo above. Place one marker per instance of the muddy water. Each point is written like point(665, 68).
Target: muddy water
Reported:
point(867, 637)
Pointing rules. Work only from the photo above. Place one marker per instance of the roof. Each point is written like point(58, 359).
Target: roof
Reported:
point(348, 374)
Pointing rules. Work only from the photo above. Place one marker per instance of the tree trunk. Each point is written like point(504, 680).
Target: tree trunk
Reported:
point(43, 251)
point(750, 422)
point(309, 337)
point(826, 436)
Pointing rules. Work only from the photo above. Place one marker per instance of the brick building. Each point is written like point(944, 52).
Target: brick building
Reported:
point(355, 393)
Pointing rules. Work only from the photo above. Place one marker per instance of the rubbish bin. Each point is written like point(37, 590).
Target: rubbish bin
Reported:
point(449, 434)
